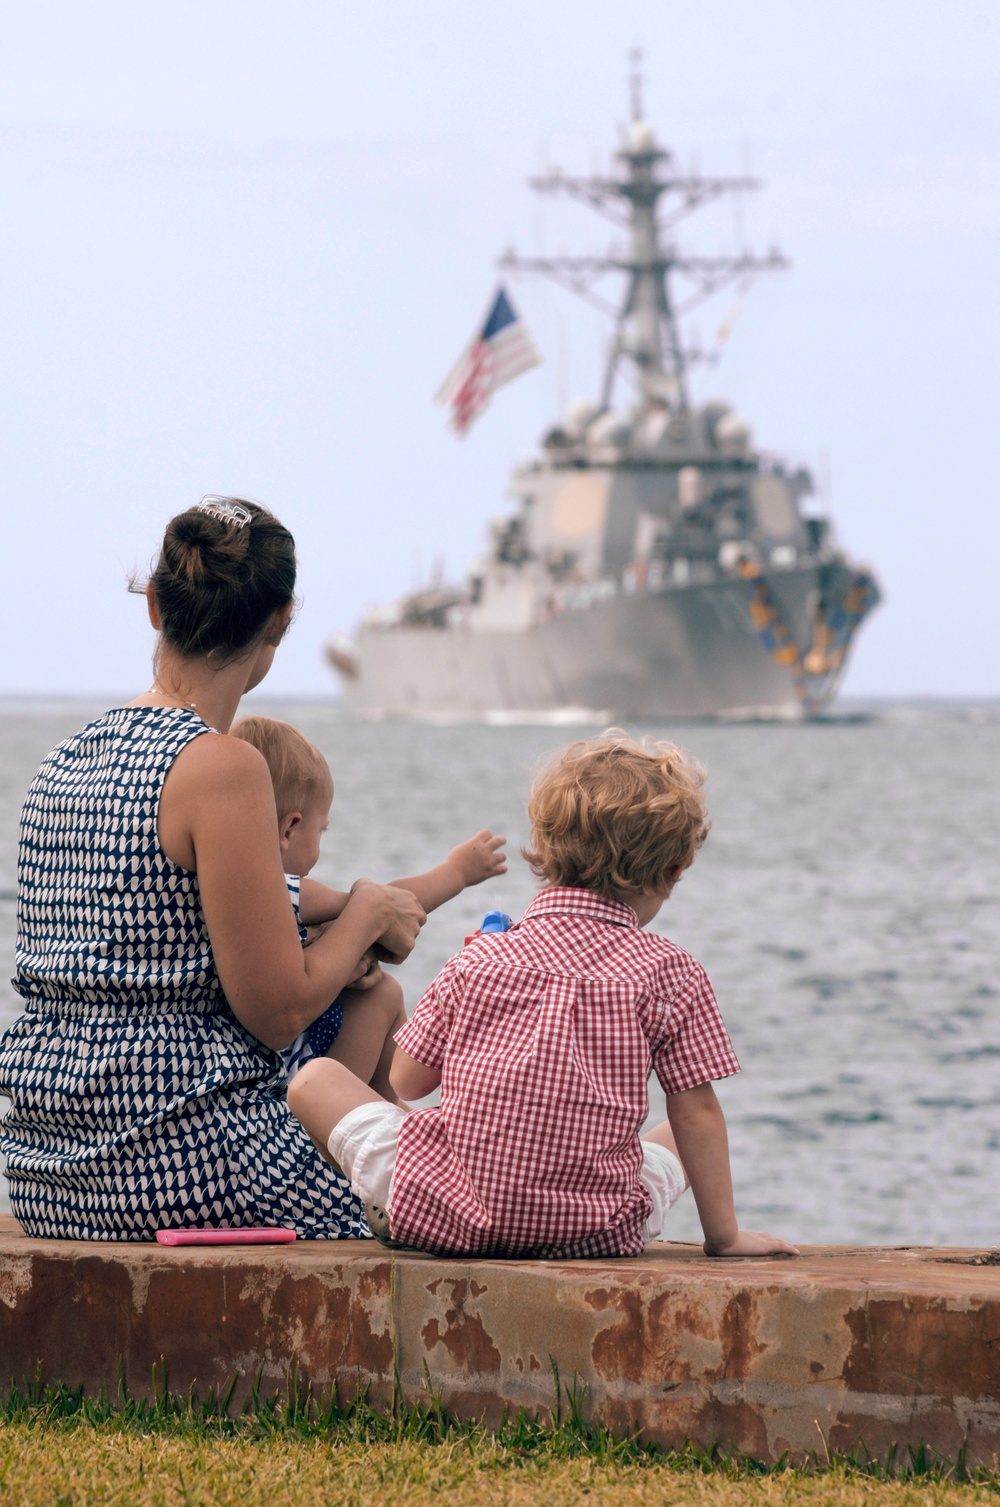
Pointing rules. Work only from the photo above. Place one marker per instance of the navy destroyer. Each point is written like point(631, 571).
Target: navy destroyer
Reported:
point(657, 566)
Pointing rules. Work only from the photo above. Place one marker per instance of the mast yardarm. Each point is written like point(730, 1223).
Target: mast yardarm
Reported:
point(648, 199)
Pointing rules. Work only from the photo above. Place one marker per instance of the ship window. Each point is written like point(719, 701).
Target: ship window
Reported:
point(773, 506)
point(690, 487)
point(579, 506)
point(647, 526)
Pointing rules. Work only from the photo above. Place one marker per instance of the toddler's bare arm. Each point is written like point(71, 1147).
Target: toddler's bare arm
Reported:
point(699, 1128)
point(318, 903)
point(472, 862)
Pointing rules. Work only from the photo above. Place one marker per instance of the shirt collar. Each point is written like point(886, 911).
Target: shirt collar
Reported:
point(562, 900)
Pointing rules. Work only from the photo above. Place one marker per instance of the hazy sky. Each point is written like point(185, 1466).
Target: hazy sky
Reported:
point(243, 243)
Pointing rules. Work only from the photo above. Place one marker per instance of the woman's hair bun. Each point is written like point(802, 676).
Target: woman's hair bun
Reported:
point(202, 546)
point(226, 566)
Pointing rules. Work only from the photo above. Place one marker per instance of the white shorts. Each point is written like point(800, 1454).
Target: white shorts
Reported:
point(363, 1144)
point(663, 1178)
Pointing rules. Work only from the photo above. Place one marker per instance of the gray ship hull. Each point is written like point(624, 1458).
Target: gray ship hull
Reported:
point(688, 651)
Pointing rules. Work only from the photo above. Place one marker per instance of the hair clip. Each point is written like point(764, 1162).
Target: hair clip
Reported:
point(225, 509)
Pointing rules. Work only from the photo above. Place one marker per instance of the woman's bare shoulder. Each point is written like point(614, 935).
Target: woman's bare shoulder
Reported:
point(215, 763)
point(216, 784)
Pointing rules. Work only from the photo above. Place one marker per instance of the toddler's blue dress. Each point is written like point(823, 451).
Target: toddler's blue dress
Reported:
point(317, 1038)
point(138, 1101)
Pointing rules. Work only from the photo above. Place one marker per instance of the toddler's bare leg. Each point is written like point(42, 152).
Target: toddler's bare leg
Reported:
point(364, 1043)
point(662, 1135)
point(321, 1094)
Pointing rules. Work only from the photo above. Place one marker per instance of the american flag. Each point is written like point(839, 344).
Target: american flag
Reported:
point(501, 351)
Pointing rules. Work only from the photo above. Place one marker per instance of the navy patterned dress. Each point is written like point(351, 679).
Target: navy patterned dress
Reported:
point(138, 1101)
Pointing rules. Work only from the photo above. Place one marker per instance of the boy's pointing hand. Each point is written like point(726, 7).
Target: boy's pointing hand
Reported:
point(481, 858)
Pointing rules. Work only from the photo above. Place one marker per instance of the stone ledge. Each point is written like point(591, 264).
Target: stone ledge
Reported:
point(865, 1346)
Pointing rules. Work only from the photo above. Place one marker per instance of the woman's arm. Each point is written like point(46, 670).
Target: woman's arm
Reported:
point(217, 817)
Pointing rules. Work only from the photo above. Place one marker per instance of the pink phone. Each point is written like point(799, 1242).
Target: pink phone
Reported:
point(262, 1234)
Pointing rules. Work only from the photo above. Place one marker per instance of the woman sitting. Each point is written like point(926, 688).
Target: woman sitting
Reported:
point(157, 954)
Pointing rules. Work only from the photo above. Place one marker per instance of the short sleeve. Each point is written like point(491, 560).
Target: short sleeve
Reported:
point(294, 884)
point(425, 1035)
point(694, 1047)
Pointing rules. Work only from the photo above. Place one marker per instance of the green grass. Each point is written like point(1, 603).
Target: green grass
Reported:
point(59, 1448)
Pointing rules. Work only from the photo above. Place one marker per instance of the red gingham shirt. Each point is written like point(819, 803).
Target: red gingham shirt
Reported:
point(545, 1036)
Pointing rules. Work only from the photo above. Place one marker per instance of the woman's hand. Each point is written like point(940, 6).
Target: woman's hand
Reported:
point(398, 913)
point(367, 973)
point(480, 858)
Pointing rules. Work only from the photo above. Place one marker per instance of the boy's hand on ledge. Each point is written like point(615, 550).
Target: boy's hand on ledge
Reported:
point(752, 1243)
point(480, 858)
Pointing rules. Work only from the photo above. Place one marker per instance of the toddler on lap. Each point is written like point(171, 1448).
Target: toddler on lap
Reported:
point(358, 1027)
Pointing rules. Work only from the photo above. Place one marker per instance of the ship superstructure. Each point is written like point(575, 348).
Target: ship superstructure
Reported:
point(657, 565)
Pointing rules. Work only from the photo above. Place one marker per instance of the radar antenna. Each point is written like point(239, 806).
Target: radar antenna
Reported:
point(647, 329)
point(635, 82)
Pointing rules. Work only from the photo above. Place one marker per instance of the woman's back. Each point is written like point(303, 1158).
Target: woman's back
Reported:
point(104, 917)
point(138, 1100)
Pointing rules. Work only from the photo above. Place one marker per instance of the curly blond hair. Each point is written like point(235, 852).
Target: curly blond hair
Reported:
point(613, 813)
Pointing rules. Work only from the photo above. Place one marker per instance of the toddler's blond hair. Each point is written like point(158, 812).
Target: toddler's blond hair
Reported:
point(613, 813)
point(299, 772)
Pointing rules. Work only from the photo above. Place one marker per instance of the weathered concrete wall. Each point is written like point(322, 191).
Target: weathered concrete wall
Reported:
point(862, 1346)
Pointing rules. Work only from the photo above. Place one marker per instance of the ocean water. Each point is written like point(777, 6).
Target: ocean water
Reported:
point(846, 906)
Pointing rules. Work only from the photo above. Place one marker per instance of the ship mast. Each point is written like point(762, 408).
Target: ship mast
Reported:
point(648, 198)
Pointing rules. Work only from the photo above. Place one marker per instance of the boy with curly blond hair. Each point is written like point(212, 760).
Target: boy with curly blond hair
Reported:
point(542, 1040)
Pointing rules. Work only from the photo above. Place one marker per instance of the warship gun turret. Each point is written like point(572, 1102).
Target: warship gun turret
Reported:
point(657, 565)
